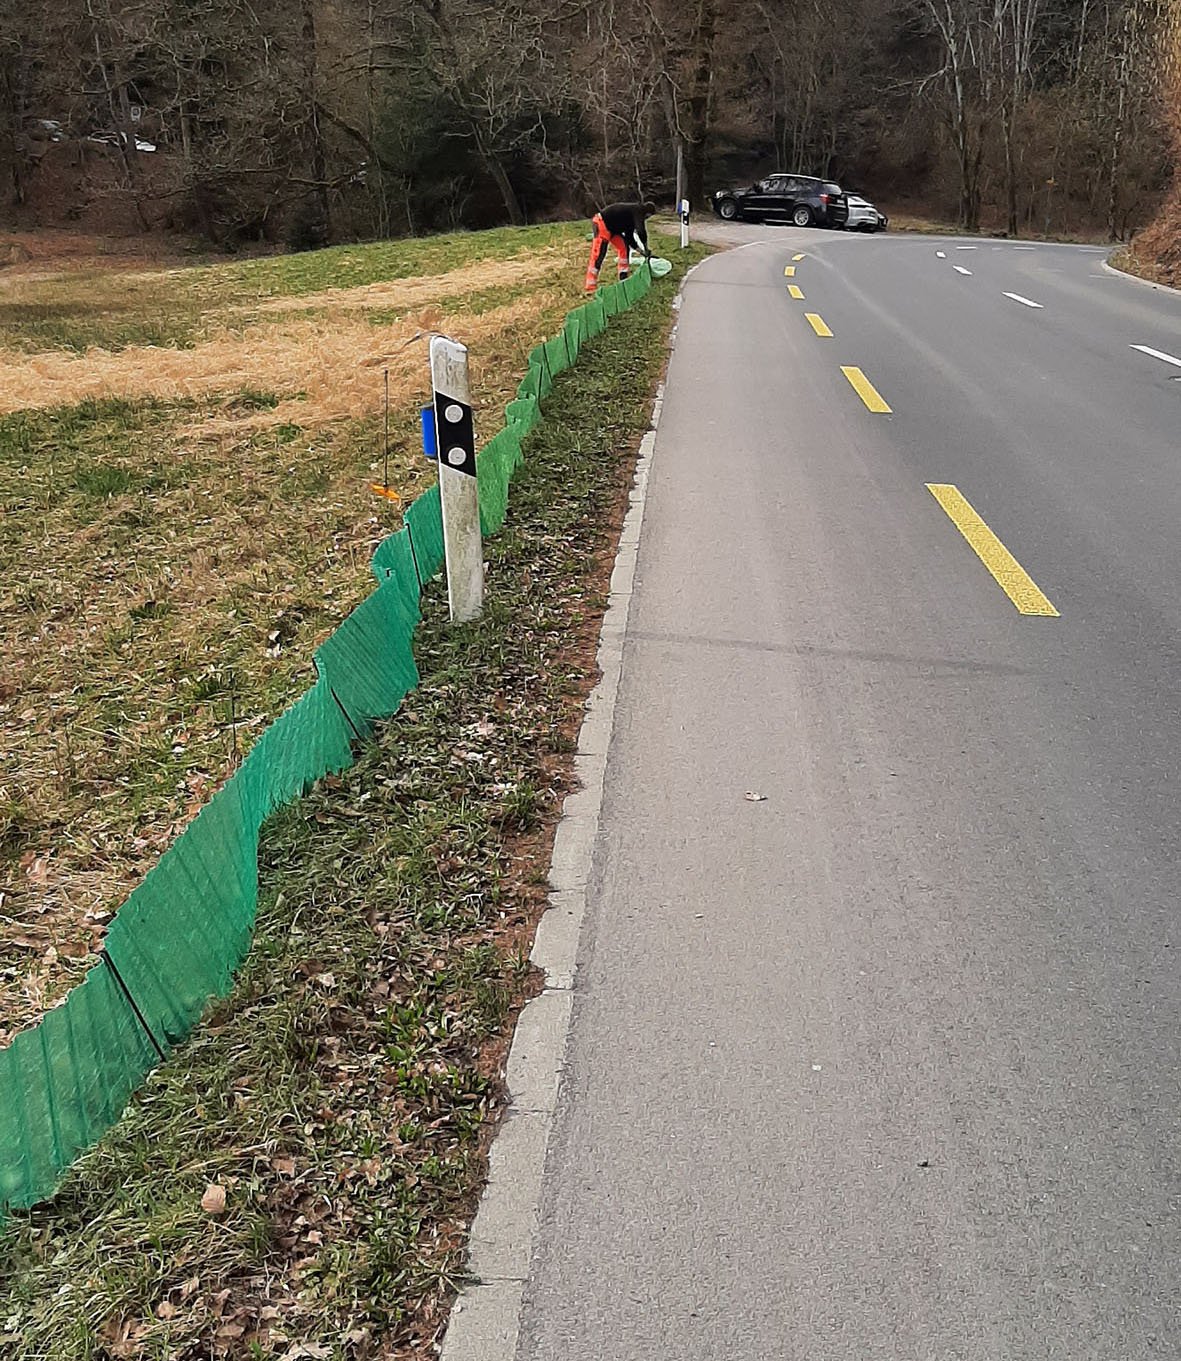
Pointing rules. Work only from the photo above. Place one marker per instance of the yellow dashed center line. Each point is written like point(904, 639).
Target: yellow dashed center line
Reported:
point(789, 271)
point(1010, 576)
point(795, 291)
point(817, 324)
point(865, 389)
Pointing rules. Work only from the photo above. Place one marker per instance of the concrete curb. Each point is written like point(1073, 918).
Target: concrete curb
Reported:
point(1136, 279)
point(485, 1320)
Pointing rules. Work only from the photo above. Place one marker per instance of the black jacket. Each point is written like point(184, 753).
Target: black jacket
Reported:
point(627, 220)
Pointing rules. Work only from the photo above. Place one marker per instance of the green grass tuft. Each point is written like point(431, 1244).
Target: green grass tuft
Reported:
point(343, 1093)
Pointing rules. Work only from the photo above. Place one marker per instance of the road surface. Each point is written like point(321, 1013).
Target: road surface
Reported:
point(886, 1063)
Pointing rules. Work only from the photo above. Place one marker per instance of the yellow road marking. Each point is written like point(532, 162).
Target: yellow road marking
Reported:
point(789, 271)
point(1010, 576)
point(795, 291)
point(816, 321)
point(865, 389)
point(797, 257)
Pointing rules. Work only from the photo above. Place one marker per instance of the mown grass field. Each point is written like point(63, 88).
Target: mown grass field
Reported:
point(342, 1098)
point(186, 455)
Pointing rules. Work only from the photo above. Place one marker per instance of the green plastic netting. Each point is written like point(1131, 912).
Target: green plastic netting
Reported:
point(424, 520)
point(65, 1082)
point(177, 940)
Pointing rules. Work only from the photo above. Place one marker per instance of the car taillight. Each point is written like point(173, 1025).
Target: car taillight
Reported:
point(824, 200)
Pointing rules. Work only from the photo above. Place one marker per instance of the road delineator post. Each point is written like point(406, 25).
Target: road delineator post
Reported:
point(458, 492)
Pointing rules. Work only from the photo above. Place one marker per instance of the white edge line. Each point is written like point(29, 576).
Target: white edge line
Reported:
point(959, 269)
point(1157, 354)
point(486, 1317)
point(1025, 302)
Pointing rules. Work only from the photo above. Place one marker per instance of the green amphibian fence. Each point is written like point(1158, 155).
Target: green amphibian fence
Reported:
point(177, 940)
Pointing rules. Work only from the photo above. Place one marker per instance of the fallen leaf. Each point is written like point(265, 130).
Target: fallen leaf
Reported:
point(166, 1309)
point(214, 1200)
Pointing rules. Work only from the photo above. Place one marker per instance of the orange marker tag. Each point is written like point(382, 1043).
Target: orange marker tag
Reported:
point(387, 492)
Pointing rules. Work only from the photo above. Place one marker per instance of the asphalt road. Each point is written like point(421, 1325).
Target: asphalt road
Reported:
point(887, 1063)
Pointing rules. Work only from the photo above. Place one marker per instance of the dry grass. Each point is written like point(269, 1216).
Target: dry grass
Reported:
point(1155, 253)
point(179, 527)
point(322, 367)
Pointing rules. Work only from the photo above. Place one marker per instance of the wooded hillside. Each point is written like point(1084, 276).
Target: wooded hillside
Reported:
point(1159, 248)
point(308, 120)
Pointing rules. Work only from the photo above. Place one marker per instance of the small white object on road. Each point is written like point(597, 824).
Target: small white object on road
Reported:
point(942, 254)
point(1025, 302)
point(752, 797)
point(959, 269)
point(1157, 354)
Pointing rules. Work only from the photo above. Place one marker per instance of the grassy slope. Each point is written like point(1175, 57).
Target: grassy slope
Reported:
point(167, 566)
point(343, 1094)
point(113, 309)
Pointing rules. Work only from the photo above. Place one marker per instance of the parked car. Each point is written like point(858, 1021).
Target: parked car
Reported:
point(801, 199)
point(863, 216)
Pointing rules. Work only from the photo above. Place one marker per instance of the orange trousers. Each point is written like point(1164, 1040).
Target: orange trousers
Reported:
point(598, 254)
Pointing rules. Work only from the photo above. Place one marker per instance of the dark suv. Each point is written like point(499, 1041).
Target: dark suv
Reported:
point(801, 199)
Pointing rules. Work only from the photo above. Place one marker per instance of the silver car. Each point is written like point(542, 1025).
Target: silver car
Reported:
point(864, 217)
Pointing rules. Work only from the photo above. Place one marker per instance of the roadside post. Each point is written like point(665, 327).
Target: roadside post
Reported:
point(456, 454)
point(682, 201)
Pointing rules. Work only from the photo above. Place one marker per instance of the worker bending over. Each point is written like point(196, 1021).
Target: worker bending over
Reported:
point(620, 225)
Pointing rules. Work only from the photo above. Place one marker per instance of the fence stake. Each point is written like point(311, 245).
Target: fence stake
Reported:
point(458, 493)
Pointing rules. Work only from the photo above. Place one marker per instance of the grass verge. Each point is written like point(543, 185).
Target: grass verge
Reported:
point(175, 544)
point(183, 304)
point(342, 1098)
point(916, 224)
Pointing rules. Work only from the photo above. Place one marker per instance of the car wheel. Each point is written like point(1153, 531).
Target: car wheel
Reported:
point(802, 216)
point(728, 209)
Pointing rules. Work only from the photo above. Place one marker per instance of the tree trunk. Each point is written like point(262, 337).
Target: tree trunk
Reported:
point(312, 133)
point(700, 104)
point(12, 114)
point(1007, 120)
point(495, 167)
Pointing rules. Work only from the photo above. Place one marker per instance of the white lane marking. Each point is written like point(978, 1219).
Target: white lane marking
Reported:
point(942, 254)
point(1025, 302)
point(967, 248)
point(959, 269)
point(1025, 248)
point(1158, 354)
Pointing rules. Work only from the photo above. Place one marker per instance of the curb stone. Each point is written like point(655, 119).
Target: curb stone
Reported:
point(485, 1319)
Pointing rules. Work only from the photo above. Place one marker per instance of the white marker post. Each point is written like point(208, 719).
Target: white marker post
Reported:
point(682, 201)
point(456, 445)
